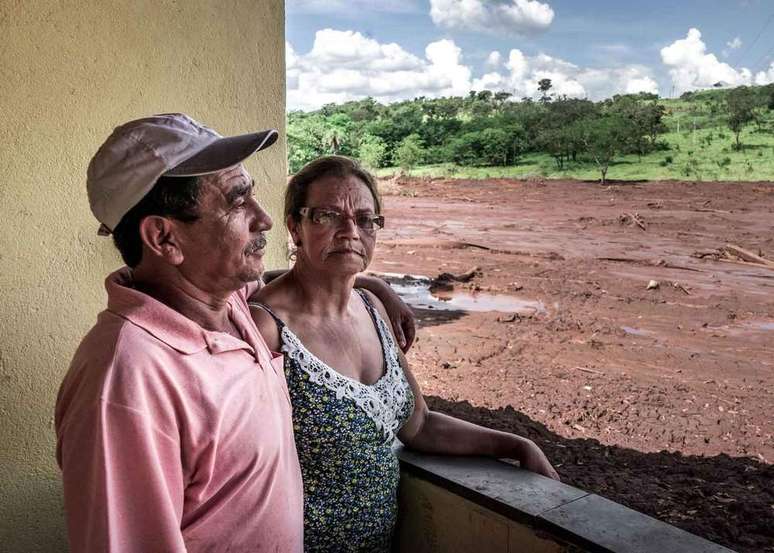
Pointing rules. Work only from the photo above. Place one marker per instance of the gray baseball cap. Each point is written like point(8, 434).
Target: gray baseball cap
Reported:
point(136, 154)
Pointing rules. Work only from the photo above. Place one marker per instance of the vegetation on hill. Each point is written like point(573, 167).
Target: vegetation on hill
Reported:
point(719, 134)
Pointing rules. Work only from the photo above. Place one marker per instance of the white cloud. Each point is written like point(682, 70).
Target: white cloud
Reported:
point(291, 66)
point(734, 44)
point(345, 65)
point(766, 76)
point(509, 16)
point(567, 79)
point(494, 59)
point(692, 68)
point(352, 49)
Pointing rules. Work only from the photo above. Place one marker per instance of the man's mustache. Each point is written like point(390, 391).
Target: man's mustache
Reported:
point(257, 244)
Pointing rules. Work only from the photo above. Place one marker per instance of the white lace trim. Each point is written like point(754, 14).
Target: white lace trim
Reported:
point(381, 401)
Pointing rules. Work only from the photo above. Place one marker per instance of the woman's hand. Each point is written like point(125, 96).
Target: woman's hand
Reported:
point(532, 458)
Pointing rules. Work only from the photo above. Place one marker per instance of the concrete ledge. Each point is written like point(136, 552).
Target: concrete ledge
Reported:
point(526, 508)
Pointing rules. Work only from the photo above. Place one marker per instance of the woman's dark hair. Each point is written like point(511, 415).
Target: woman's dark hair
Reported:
point(175, 197)
point(328, 166)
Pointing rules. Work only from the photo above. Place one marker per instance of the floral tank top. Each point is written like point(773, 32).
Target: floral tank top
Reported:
point(344, 431)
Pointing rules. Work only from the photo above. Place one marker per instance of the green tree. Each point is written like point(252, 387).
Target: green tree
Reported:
point(410, 152)
point(544, 86)
point(558, 133)
point(372, 151)
point(740, 106)
point(307, 139)
point(603, 138)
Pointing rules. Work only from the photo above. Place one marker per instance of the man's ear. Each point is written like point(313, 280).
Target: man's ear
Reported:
point(158, 234)
point(293, 229)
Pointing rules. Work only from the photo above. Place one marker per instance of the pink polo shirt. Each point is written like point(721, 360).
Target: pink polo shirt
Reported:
point(173, 438)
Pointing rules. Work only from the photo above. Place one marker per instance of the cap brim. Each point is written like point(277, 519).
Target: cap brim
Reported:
point(224, 153)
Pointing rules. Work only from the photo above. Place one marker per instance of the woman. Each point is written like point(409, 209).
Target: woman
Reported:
point(351, 389)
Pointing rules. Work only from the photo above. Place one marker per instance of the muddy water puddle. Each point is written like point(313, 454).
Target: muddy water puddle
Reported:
point(633, 331)
point(745, 328)
point(416, 290)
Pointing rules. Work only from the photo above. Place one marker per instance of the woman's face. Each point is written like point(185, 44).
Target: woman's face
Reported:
point(330, 236)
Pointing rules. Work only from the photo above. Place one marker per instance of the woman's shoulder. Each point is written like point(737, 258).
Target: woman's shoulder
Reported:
point(265, 308)
point(377, 304)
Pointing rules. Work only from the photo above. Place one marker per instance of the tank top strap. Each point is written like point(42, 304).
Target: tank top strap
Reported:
point(280, 323)
point(371, 308)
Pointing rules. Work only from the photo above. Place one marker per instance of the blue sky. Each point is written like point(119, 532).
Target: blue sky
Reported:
point(394, 49)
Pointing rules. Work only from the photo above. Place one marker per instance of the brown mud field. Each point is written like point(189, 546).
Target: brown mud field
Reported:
point(660, 398)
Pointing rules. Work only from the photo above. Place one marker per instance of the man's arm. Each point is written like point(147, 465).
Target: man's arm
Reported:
point(123, 482)
point(401, 316)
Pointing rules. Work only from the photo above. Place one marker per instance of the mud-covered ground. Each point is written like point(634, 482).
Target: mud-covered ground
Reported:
point(661, 399)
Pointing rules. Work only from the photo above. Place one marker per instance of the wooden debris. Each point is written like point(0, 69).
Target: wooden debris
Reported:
point(681, 288)
point(734, 254)
point(746, 255)
point(467, 276)
point(632, 218)
point(509, 319)
point(586, 370)
point(707, 210)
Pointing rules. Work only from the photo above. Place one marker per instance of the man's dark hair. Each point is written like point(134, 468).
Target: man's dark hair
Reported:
point(175, 197)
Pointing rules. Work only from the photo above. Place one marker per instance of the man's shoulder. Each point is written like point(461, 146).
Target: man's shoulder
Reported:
point(116, 352)
point(117, 362)
point(113, 335)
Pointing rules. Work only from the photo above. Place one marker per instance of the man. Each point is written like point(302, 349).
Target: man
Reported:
point(173, 422)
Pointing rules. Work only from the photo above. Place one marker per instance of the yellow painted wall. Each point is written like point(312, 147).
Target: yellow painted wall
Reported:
point(434, 520)
point(69, 72)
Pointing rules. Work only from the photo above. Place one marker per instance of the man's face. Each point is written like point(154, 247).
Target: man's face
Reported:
point(223, 250)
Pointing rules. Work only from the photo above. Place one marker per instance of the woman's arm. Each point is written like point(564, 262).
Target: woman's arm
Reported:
point(267, 327)
point(432, 432)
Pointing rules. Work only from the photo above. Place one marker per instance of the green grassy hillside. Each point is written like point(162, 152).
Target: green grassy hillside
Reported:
point(702, 149)
point(694, 142)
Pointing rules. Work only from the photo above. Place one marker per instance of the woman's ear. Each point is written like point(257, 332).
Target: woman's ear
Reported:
point(159, 237)
point(294, 228)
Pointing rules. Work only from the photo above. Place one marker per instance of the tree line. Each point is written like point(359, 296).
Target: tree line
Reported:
point(488, 128)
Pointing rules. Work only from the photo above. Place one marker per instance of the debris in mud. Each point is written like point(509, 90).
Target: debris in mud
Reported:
point(632, 219)
point(587, 370)
point(682, 288)
point(653, 285)
point(510, 319)
point(734, 254)
point(467, 276)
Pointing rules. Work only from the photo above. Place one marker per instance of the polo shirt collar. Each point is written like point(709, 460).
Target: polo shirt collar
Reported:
point(167, 325)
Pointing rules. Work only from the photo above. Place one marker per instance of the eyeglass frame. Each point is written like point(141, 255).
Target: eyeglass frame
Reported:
point(377, 220)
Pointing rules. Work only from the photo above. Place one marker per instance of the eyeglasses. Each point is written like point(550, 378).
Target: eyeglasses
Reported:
point(333, 218)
